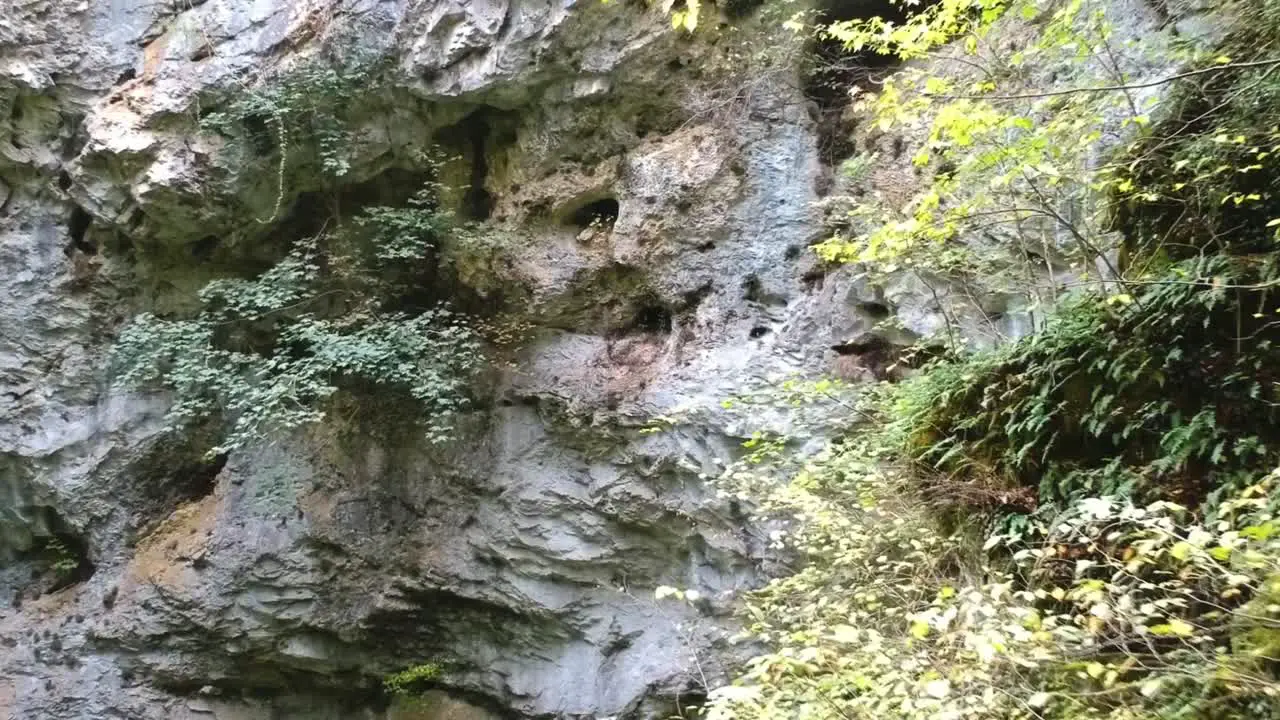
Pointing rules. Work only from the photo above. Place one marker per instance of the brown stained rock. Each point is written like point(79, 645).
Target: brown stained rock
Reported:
point(163, 557)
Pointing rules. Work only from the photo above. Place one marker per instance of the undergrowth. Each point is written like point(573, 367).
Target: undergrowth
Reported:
point(1170, 393)
point(1081, 523)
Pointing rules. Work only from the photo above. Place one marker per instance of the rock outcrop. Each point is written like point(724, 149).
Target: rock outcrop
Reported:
point(656, 210)
point(286, 580)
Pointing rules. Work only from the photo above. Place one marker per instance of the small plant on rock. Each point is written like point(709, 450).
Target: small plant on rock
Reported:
point(411, 680)
point(341, 311)
point(297, 114)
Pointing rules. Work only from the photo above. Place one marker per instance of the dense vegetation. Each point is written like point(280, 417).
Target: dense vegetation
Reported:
point(1080, 523)
point(352, 308)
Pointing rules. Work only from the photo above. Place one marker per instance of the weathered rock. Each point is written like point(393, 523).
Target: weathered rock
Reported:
point(658, 251)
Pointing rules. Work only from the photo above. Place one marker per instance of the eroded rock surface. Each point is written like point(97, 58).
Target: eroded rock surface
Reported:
point(286, 580)
point(658, 246)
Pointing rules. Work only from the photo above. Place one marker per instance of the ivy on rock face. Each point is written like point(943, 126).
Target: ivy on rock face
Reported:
point(297, 115)
point(266, 353)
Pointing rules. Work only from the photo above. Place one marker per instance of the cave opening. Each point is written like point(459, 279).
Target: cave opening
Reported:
point(601, 213)
point(653, 317)
point(67, 555)
point(876, 311)
point(478, 140)
point(834, 70)
point(77, 226)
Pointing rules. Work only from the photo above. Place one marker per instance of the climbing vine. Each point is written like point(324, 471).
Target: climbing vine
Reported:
point(267, 353)
point(296, 114)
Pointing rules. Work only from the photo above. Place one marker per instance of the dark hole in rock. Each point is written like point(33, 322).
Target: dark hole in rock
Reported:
point(738, 9)
point(199, 478)
point(262, 134)
point(204, 247)
point(477, 138)
point(899, 145)
point(868, 355)
point(597, 213)
point(657, 120)
point(172, 472)
point(876, 311)
point(540, 210)
point(652, 318)
point(204, 51)
point(863, 345)
point(126, 76)
point(692, 299)
point(793, 252)
point(758, 331)
point(64, 180)
point(478, 203)
point(67, 556)
point(707, 246)
point(814, 279)
point(77, 226)
point(754, 291)
point(76, 137)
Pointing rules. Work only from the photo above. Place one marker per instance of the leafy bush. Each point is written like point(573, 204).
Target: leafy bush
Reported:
point(266, 353)
point(412, 679)
point(1109, 610)
point(298, 115)
point(1170, 391)
point(304, 104)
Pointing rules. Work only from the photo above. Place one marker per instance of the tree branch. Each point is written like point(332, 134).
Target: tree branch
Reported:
point(1110, 88)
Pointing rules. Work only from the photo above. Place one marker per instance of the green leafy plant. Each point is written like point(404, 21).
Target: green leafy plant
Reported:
point(1157, 395)
point(412, 679)
point(298, 113)
point(341, 310)
point(1108, 610)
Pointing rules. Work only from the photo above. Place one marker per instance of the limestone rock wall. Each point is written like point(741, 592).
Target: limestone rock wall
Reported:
point(285, 580)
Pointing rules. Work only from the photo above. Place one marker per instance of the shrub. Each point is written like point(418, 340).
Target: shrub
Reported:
point(1108, 610)
point(266, 353)
point(1169, 392)
point(412, 679)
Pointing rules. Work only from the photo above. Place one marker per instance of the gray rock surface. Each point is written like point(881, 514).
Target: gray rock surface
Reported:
point(286, 580)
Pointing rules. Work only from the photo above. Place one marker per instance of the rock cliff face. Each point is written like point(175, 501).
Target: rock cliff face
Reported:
point(284, 580)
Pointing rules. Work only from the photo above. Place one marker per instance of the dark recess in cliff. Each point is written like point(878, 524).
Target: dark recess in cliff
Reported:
point(833, 71)
point(480, 138)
